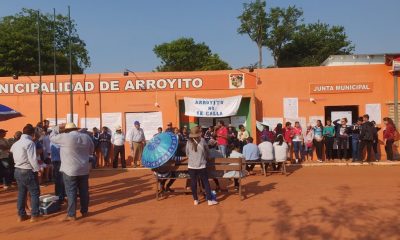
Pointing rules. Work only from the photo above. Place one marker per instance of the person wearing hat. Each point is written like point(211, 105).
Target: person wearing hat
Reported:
point(118, 141)
point(137, 141)
point(197, 152)
point(26, 173)
point(5, 165)
point(75, 151)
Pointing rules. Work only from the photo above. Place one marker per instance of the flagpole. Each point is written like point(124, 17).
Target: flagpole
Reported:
point(40, 68)
point(71, 96)
point(55, 66)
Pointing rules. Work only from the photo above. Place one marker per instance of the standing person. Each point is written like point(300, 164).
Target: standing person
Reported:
point(137, 141)
point(96, 152)
point(222, 137)
point(169, 127)
point(197, 152)
point(75, 151)
point(5, 165)
point(342, 137)
point(159, 130)
point(209, 134)
point(318, 139)
point(59, 187)
point(251, 153)
point(376, 141)
point(105, 145)
point(297, 141)
point(389, 136)
point(278, 130)
point(355, 139)
point(185, 134)
point(308, 143)
point(280, 150)
point(118, 141)
point(329, 136)
point(267, 135)
point(288, 137)
point(232, 134)
point(11, 141)
point(242, 135)
point(26, 173)
point(367, 137)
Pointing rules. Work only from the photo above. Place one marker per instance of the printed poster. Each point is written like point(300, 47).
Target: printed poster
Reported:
point(149, 122)
point(111, 120)
point(290, 107)
point(271, 122)
point(374, 112)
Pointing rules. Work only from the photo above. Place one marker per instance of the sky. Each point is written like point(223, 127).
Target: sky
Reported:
point(122, 33)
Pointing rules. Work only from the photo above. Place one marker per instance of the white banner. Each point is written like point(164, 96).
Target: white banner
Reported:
point(212, 107)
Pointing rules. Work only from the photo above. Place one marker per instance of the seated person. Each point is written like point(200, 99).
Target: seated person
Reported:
point(251, 153)
point(235, 153)
point(267, 152)
point(280, 150)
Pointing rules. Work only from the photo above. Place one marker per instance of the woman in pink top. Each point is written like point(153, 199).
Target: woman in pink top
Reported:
point(288, 136)
point(222, 137)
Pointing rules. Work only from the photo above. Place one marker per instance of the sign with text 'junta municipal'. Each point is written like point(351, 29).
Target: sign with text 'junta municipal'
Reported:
point(212, 107)
point(341, 88)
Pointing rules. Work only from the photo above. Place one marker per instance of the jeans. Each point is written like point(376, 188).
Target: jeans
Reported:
point(195, 174)
point(368, 144)
point(59, 187)
point(105, 151)
point(329, 147)
point(342, 145)
point(119, 150)
point(27, 182)
point(73, 184)
point(297, 149)
point(389, 149)
point(222, 149)
point(5, 171)
point(355, 145)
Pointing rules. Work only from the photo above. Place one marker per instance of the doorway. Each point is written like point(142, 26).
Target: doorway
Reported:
point(336, 112)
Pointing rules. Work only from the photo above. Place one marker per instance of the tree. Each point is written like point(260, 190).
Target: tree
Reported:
point(313, 43)
point(282, 23)
point(253, 22)
point(18, 45)
point(184, 54)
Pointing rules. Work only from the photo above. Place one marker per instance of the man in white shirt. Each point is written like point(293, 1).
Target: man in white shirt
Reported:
point(118, 141)
point(267, 152)
point(26, 173)
point(137, 141)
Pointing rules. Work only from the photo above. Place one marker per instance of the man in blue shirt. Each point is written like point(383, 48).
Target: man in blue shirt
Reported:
point(251, 153)
point(59, 187)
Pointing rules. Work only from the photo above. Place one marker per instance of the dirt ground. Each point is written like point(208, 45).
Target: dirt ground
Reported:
point(329, 202)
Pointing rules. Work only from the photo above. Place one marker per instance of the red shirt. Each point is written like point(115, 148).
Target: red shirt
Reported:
point(222, 131)
point(389, 133)
point(288, 135)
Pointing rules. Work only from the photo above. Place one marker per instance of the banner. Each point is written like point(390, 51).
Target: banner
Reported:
point(212, 107)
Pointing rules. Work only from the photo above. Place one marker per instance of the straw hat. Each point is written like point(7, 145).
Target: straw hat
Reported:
point(195, 132)
point(70, 127)
point(118, 128)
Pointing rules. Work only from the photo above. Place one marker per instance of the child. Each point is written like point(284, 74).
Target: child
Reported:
point(308, 143)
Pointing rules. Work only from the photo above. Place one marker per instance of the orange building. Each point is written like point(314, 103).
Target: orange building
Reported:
point(268, 95)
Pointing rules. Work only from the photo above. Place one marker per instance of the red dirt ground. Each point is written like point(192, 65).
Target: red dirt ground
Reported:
point(329, 202)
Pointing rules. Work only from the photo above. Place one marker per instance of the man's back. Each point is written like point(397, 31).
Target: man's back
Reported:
point(251, 152)
point(266, 150)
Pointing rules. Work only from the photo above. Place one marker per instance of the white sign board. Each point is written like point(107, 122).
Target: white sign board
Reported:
point(111, 120)
point(301, 120)
point(226, 120)
point(52, 121)
point(335, 115)
point(90, 123)
point(238, 120)
point(149, 122)
point(374, 112)
point(212, 107)
point(206, 122)
point(75, 118)
point(396, 65)
point(290, 107)
point(272, 122)
point(313, 120)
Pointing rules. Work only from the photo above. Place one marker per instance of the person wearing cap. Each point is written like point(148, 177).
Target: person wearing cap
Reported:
point(118, 141)
point(75, 151)
point(26, 174)
point(5, 165)
point(197, 152)
point(169, 128)
point(137, 141)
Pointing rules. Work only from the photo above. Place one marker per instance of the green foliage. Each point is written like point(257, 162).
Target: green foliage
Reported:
point(184, 54)
point(283, 23)
point(313, 43)
point(253, 22)
point(18, 45)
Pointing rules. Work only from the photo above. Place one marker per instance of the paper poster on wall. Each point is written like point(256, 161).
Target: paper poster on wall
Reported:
point(335, 115)
point(238, 120)
point(226, 120)
point(111, 120)
point(149, 122)
point(90, 123)
point(313, 120)
point(301, 120)
point(206, 122)
point(290, 107)
point(52, 121)
point(271, 122)
point(374, 112)
point(75, 118)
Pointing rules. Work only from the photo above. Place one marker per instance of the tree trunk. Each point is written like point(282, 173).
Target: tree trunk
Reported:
point(259, 56)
